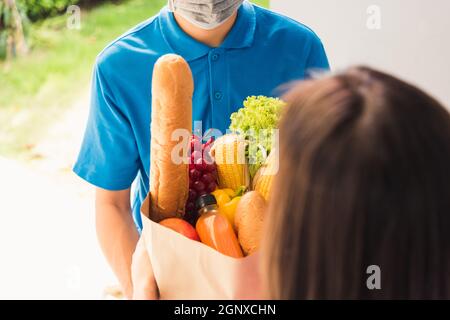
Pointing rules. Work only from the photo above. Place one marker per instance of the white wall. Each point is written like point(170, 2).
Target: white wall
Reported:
point(413, 42)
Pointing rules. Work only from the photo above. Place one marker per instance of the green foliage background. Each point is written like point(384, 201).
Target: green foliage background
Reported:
point(6, 25)
point(40, 9)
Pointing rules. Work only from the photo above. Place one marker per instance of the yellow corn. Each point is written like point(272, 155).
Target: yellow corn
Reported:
point(262, 182)
point(232, 169)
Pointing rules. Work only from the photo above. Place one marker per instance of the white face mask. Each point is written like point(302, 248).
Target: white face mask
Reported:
point(206, 14)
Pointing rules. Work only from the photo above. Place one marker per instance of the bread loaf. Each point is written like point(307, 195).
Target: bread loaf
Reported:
point(249, 220)
point(172, 90)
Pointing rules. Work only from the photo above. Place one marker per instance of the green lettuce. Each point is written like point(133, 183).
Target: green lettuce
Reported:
point(256, 122)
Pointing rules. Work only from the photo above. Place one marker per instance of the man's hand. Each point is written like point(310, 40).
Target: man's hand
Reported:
point(117, 233)
point(144, 284)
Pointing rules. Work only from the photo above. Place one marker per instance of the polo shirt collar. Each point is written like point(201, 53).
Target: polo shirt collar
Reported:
point(243, 32)
point(240, 36)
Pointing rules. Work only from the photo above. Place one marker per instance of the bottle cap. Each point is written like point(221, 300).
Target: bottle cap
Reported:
point(205, 200)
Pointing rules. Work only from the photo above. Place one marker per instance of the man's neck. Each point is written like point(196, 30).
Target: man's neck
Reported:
point(214, 37)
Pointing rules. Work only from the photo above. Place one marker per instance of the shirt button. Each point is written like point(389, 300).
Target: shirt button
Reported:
point(215, 57)
point(218, 95)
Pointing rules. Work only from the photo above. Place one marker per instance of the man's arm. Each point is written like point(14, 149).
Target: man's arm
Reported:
point(117, 233)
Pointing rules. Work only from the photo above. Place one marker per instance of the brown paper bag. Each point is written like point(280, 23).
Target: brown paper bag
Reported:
point(190, 270)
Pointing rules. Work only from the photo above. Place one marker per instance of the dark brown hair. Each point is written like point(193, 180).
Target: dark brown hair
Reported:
point(364, 180)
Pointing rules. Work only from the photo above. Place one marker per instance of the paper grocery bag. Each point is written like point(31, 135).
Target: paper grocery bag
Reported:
point(189, 270)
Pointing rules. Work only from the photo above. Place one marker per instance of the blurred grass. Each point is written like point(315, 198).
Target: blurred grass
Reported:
point(37, 89)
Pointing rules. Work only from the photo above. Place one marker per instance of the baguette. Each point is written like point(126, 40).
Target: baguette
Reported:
point(172, 91)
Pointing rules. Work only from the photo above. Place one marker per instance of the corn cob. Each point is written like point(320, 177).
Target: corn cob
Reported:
point(263, 180)
point(232, 168)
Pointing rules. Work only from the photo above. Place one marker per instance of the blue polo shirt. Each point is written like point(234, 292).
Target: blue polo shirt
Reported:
point(262, 51)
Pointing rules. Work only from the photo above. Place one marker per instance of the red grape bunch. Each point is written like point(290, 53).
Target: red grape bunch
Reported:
point(202, 175)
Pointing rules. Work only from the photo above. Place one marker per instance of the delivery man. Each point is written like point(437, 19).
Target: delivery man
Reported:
point(234, 48)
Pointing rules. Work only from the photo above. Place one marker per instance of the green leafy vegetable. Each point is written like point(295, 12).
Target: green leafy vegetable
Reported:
point(256, 122)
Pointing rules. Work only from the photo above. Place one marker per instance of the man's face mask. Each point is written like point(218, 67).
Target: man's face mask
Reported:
point(206, 14)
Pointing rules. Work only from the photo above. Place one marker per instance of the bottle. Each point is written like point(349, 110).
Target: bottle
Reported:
point(214, 229)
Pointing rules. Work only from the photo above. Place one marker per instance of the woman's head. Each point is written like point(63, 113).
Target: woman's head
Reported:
point(364, 180)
